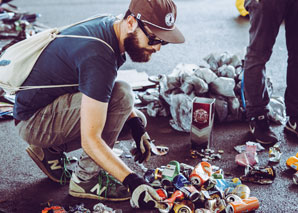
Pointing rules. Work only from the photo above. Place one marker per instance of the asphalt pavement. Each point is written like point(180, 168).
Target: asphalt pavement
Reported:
point(208, 27)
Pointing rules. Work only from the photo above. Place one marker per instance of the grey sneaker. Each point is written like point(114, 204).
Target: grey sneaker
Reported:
point(101, 187)
point(260, 129)
point(51, 162)
point(291, 125)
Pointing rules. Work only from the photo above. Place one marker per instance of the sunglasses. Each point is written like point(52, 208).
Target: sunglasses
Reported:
point(152, 41)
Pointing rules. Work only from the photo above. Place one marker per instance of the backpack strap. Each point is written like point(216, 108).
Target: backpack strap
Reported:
point(79, 22)
point(86, 37)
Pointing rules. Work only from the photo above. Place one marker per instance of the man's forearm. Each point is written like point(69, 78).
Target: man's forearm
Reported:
point(104, 156)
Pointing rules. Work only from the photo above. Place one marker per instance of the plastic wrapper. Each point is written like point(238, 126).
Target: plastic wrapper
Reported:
point(248, 157)
point(223, 86)
point(242, 148)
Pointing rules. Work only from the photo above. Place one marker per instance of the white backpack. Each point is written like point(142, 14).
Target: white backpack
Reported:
point(18, 60)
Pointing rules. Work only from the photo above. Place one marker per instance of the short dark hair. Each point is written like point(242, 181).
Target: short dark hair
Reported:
point(128, 13)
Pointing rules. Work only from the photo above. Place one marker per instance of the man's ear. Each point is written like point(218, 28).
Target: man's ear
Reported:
point(132, 24)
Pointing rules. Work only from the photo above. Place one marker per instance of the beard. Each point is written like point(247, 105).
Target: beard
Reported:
point(135, 52)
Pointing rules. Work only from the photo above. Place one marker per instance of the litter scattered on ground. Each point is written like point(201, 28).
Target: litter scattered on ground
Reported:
point(206, 154)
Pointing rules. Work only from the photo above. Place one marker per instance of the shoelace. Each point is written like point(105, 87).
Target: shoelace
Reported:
point(110, 181)
point(65, 174)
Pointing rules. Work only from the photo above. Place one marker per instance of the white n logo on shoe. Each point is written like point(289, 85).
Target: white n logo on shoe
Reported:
point(97, 189)
point(55, 164)
point(293, 126)
point(252, 129)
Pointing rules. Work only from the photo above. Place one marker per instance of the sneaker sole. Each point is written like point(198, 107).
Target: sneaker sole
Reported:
point(265, 142)
point(291, 130)
point(40, 165)
point(96, 197)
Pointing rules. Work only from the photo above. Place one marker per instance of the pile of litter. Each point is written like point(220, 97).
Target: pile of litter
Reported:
point(203, 188)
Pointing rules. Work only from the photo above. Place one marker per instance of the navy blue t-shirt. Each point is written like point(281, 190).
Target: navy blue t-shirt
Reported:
point(87, 62)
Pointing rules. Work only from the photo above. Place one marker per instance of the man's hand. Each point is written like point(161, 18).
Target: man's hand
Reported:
point(143, 195)
point(142, 152)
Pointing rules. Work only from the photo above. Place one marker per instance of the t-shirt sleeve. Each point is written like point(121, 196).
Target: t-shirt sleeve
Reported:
point(97, 75)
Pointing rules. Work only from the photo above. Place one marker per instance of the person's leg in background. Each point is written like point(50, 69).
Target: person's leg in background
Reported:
point(291, 97)
point(265, 19)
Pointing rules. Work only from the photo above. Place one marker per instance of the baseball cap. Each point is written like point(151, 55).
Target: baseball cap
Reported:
point(160, 17)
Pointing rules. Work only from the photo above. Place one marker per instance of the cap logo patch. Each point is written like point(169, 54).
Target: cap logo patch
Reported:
point(169, 19)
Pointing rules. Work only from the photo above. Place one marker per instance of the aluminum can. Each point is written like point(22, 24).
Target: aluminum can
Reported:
point(231, 198)
point(201, 173)
point(246, 205)
point(181, 208)
point(181, 183)
point(170, 172)
point(201, 210)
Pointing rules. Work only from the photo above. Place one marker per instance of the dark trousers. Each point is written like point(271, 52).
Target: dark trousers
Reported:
point(266, 17)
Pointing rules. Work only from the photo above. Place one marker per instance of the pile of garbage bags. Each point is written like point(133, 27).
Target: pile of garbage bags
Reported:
point(221, 79)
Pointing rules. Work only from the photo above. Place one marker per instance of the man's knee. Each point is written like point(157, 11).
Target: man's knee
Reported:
point(122, 94)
